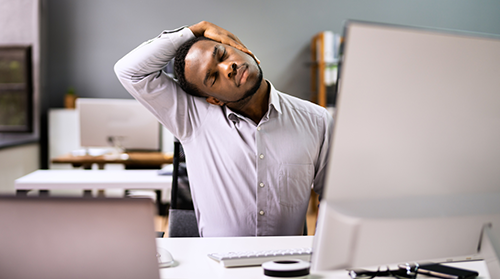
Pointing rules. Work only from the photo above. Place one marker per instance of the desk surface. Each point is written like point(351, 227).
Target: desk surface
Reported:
point(190, 255)
point(93, 179)
point(136, 159)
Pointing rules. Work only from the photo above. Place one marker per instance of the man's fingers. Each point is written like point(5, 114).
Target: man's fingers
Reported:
point(243, 48)
point(225, 37)
point(249, 52)
point(239, 45)
point(256, 59)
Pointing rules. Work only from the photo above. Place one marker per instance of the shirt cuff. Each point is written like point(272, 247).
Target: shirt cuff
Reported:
point(175, 30)
point(179, 35)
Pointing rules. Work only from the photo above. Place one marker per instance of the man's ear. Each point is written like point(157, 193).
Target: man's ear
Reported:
point(214, 101)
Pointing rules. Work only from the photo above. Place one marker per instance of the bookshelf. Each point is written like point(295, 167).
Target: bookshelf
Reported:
point(325, 57)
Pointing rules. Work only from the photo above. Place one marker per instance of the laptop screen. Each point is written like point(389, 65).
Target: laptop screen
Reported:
point(54, 237)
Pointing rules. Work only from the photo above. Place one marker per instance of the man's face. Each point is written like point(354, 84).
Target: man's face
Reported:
point(222, 72)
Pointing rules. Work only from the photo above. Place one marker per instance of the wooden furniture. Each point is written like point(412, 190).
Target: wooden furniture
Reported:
point(325, 57)
point(318, 87)
point(131, 160)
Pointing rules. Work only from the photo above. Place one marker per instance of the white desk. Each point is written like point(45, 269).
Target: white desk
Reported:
point(87, 180)
point(190, 255)
point(93, 179)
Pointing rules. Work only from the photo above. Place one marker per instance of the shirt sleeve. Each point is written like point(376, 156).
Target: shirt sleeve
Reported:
point(321, 164)
point(141, 73)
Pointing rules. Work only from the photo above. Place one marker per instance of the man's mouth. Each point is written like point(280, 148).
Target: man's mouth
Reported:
point(241, 75)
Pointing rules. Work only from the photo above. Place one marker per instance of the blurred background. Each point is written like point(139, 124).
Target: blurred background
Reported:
point(76, 43)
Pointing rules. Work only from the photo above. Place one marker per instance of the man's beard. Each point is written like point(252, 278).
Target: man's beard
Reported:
point(252, 90)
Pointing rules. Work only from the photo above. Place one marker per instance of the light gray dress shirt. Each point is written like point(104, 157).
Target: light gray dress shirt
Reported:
point(246, 178)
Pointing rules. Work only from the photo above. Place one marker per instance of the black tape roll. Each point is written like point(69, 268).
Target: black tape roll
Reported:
point(286, 268)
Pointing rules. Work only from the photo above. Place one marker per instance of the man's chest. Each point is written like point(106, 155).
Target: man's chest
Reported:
point(272, 140)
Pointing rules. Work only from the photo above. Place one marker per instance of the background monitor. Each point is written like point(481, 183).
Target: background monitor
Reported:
point(122, 122)
point(414, 168)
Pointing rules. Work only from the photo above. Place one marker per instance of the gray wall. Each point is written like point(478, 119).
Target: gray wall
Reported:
point(83, 39)
point(86, 38)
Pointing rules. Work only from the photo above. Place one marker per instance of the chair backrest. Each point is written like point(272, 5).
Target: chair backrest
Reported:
point(181, 222)
point(175, 174)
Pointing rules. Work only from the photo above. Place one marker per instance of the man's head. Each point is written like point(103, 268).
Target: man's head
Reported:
point(219, 72)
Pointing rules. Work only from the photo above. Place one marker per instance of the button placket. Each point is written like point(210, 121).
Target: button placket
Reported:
point(261, 202)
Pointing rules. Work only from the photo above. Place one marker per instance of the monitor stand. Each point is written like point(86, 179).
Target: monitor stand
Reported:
point(489, 250)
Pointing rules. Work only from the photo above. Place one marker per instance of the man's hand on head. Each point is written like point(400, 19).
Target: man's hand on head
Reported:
point(221, 35)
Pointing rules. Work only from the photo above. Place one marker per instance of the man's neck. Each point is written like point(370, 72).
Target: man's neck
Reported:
point(256, 106)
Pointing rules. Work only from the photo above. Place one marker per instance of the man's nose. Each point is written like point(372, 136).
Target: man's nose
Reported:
point(230, 69)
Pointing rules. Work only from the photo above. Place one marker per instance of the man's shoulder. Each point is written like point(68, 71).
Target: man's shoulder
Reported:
point(305, 106)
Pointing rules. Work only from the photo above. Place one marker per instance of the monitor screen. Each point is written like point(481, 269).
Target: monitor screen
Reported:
point(414, 164)
point(77, 238)
point(123, 123)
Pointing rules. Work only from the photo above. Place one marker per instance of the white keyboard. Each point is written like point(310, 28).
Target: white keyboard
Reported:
point(249, 258)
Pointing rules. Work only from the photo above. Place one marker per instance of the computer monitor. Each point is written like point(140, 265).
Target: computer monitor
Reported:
point(414, 167)
point(122, 123)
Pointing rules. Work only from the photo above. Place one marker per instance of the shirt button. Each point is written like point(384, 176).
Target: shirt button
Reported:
point(258, 128)
point(261, 185)
point(261, 212)
point(261, 156)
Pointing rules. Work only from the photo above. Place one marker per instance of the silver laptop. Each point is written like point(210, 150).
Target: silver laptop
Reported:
point(53, 237)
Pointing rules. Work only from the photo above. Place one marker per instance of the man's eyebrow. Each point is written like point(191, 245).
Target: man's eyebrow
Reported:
point(216, 48)
point(207, 76)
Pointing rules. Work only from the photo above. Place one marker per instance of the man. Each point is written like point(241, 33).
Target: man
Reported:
point(252, 152)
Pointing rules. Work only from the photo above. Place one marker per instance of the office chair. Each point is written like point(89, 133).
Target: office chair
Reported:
point(181, 217)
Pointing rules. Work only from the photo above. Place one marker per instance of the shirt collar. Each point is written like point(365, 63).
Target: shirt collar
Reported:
point(274, 102)
point(274, 99)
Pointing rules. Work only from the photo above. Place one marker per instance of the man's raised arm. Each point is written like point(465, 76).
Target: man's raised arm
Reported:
point(140, 70)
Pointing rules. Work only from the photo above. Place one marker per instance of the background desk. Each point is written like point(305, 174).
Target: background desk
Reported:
point(136, 160)
point(190, 255)
point(87, 180)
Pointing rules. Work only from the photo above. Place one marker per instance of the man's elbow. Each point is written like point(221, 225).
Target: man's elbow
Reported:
point(119, 69)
